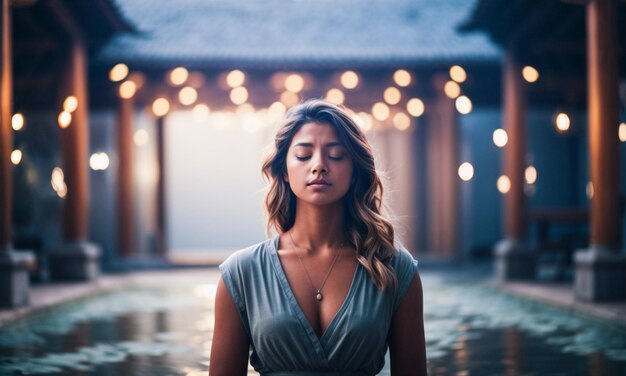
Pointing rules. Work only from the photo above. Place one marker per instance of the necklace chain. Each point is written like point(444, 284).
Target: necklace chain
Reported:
point(318, 292)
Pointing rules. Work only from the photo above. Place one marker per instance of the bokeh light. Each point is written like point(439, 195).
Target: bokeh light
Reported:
point(530, 74)
point(17, 121)
point(335, 96)
point(458, 74)
point(562, 122)
point(160, 107)
point(452, 89)
point(380, 111)
point(128, 89)
point(466, 171)
point(401, 121)
point(187, 96)
point(503, 184)
point(500, 137)
point(178, 76)
point(64, 119)
point(141, 137)
point(70, 104)
point(463, 105)
point(392, 95)
point(415, 107)
point(16, 156)
point(118, 72)
point(239, 95)
point(531, 175)
point(402, 78)
point(349, 79)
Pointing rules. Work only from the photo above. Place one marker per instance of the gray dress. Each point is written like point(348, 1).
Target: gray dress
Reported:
point(283, 341)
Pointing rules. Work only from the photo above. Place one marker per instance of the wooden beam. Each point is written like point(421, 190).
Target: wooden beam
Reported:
point(6, 132)
point(125, 202)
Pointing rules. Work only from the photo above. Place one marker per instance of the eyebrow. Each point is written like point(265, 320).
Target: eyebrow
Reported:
point(327, 145)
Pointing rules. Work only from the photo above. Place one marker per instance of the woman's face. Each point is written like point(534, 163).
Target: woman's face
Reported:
point(319, 169)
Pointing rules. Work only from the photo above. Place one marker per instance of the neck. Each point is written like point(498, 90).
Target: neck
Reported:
point(318, 228)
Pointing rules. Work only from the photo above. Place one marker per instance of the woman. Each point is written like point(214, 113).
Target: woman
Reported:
point(331, 291)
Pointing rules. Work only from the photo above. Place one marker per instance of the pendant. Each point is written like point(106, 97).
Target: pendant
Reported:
point(319, 296)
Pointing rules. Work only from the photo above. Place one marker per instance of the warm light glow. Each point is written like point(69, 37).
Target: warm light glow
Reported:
point(622, 132)
point(392, 95)
point(178, 76)
point(187, 96)
point(17, 121)
point(200, 112)
point(128, 89)
point(99, 161)
point(349, 79)
point(452, 89)
point(415, 107)
point(289, 98)
point(531, 175)
point(64, 119)
point(57, 180)
point(562, 122)
point(141, 137)
point(458, 74)
point(235, 78)
point(244, 109)
point(589, 190)
point(70, 104)
point(466, 171)
point(160, 107)
point(294, 83)
point(530, 74)
point(118, 72)
point(401, 121)
point(276, 111)
point(463, 105)
point(336, 96)
point(500, 137)
point(380, 111)
point(402, 78)
point(251, 123)
point(364, 121)
point(504, 184)
point(16, 156)
point(239, 95)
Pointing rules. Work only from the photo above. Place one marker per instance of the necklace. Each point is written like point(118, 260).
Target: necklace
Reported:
point(318, 292)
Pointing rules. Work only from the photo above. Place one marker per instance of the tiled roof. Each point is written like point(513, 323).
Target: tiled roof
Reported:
point(248, 33)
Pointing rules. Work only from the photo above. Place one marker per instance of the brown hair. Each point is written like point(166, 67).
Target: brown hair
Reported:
point(368, 230)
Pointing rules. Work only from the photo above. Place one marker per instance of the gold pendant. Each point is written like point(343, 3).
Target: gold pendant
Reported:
point(319, 296)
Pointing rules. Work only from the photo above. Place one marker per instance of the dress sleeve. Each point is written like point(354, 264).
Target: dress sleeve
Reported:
point(405, 267)
point(231, 275)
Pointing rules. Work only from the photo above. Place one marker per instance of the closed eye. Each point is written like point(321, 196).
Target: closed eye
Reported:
point(303, 158)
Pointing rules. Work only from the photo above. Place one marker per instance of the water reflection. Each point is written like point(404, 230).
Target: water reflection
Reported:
point(166, 330)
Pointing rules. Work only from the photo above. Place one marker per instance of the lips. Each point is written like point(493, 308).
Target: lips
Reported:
point(318, 182)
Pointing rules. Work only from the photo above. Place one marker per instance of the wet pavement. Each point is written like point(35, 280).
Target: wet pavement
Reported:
point(160, 323)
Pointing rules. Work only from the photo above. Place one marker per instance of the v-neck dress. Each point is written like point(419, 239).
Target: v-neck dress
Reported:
point(283, 342)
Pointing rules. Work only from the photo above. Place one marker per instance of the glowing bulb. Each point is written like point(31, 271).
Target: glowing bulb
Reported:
point(16, 156)
point(200, 112)
point(70, 104)
point(118, 72)
point(349, 79)
point(160, 107)
point(128, 89)
point(500, 137)
point(452, 89)
point(276, 110)
point(466, 171)
point(17, 121)
point(64, 119)
point(589, 190)
point(187, 95)
point(392, 95)
point(141, 137)
point(463, 105)
point(99, 161)
point(402, 78)
point(289, 98)
point(530, 174)
point(504, 184)
point(401, 121)
point(294, 83)
point(239, 95)
point(562, 122)
point(415, 107)
point(458, 74)
point(235, 78)
point(178, 76)
point(530, 74)
point(336, 96)
point(622, 132)
point(380, 111)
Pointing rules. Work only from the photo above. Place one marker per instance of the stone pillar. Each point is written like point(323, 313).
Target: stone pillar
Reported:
point(443, 182)
point(601, 269)
point(76, 259)
point(14, 283)
point(125, 202)
point(513, 259)
point(161, 239)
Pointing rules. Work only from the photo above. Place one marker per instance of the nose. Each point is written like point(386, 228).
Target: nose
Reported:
point(319, 167)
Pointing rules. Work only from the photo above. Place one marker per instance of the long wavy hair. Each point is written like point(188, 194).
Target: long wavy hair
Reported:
point(368, 230)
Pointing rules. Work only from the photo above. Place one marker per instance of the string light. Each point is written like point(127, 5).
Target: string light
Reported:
point(64, 119)
point(235, 78)
point(562, 122)
point(239, 95)
point(463, 105)
point(118, 72)
point(415, 107)
point(335, 96)
point(16, 156)
point(466, 171)
point(141, 137)
point(187, 96)
point(622, 132)
point(160, 107)
point(17, 121)
point(178, 76)
point(458, 74)
point(128, 89)
point(392, 95)
point(401, 121)
point(349, 79)
point(531, 175)
point(452, 89)
point(380, 111)
point(503, 184)
point(500, 137)
point(530, 74)
point(294, 83)
point(70, 104)
point(402, 78)
point(99, 161)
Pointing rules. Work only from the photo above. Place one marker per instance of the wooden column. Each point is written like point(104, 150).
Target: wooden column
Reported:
point(161, 239)
point(513, 259)
point(443, 189)
point(6, 135)
point(514, 156)
point(601, 269)
point(603, 115)
point(75, 147)
point(125, 202)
